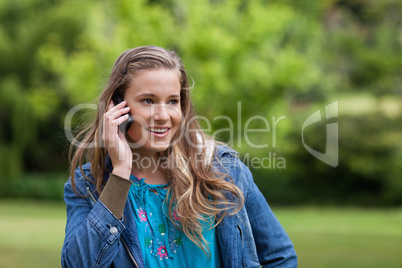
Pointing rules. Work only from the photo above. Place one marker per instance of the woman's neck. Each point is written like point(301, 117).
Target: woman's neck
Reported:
point(150, 168)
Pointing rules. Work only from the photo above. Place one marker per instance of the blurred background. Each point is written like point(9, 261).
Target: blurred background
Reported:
point(271, 59)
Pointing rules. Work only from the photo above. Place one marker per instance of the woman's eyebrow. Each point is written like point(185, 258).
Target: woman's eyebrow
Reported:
point(153, 95)
point(147, 95)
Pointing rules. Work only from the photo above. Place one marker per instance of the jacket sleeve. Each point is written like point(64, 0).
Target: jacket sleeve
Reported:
point(274, 247)
point(92, 231)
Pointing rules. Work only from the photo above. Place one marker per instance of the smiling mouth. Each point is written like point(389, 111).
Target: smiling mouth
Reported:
point(158, 130)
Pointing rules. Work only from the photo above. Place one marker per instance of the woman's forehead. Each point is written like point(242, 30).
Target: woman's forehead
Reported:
point(155, 82)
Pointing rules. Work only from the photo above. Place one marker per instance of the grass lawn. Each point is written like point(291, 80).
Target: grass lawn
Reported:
point(31, 235)
point(344, 237)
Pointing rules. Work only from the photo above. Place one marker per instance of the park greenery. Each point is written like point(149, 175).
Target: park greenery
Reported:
point(275, 61)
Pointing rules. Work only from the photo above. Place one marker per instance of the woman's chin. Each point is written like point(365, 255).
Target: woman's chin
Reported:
point(155, 148)
point(160, 148)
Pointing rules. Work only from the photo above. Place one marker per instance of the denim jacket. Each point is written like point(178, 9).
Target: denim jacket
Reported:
point(96, 238)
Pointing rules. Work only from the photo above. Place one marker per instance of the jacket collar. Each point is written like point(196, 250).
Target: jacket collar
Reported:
point(220, 150)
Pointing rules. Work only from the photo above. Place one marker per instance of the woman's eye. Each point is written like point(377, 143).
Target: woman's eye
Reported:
point(173, 102)
point(147, 101)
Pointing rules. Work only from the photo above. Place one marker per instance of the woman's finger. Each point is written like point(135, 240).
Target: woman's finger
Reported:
point(113, 107)
point(109, 130)
point(118, 113)
point(121, 119)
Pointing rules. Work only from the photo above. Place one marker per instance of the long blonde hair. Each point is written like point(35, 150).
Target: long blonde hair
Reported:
point(197, 191)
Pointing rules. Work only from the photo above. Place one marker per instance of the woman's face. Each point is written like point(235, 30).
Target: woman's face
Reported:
point(154, 100)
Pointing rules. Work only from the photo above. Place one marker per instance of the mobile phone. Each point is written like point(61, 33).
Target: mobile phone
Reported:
point(123, 127)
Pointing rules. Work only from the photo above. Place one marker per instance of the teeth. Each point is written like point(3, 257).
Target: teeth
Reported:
point(158, 130)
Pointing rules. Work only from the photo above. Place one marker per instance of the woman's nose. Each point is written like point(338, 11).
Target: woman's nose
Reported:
point(160, 112)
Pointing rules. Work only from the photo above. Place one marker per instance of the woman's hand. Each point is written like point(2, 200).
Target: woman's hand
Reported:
point(115, 141)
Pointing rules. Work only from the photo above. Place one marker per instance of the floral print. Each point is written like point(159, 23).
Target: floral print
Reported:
point(162, 253)
point(161, 236)
point(156, 232)
point(162, 240)
point(142, 215)
point(176, 215)
point(148, 242)
point(162, 229)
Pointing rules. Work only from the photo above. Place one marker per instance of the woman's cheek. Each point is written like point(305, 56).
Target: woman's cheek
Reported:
point(136, 132)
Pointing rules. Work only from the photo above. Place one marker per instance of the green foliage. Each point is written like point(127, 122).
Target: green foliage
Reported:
point(35, 186)
point(268, 59)
point(365, 60)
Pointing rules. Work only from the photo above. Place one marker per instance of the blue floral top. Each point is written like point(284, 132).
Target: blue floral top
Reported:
point(163, 244)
